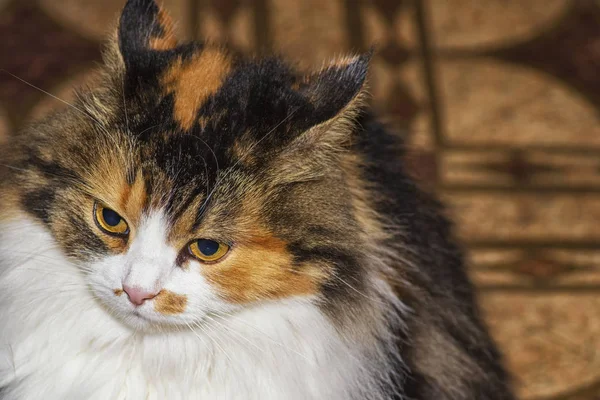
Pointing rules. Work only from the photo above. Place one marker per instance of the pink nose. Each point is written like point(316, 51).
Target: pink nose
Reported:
point(138, 296)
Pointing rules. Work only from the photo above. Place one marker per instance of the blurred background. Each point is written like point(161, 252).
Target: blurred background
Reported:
point(498, 100)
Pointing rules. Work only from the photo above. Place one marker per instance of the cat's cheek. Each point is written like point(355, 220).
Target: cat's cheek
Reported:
point(186, 296)
point(202, 296)
point(205, 297)
point(104, 278)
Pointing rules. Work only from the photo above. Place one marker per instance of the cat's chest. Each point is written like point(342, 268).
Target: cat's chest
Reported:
point(71, 348)
point(86, 375)
point(62, 361)
point(176, 368)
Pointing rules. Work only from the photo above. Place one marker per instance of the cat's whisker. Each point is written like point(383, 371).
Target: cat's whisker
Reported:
point(16, 264)
point(49, 94)
point(206, 175)
point(202, 207)
point(211, 330)
point(39, 251)
point(225, 316)
point(194, 331)
point(66, 178)
point(41, 297)
point(50, 273)
point(83, 307)
point(232, 168)
point(211, 151)
point(214, 340)
point(284, 120)
point(210, 347)
point(124, 104)
point(99, 124)
point(17, 168)
point(371, 298)
point(33, 257)
point(149, 128)
point(234, 332)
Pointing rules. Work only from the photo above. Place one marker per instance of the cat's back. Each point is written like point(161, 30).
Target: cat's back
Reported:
point(432, 279)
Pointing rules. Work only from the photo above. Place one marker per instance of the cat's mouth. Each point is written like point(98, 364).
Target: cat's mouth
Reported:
point(142, 319)
point(146, 317)
point(139, 316)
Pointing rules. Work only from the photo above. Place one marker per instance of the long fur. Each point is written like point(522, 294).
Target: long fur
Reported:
point(342, 279)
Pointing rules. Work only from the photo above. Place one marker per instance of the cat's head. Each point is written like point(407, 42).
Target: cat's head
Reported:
point(191, 181)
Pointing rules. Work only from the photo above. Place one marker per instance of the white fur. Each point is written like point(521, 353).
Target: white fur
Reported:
point(61, 340)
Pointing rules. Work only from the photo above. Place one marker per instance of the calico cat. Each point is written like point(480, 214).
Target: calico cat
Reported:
point(206, 226)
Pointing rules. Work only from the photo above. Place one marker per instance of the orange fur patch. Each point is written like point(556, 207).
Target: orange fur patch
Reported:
point(203, 122)
point(160, 43)
point(167, 40)
point(238, 150)
point(194, 81)
point(134, 199)
point(108, 182)
point(243, 153)
point(169, 303)
point(261, 269)
point(118, 292)
point(10, 205)
point(179, 234)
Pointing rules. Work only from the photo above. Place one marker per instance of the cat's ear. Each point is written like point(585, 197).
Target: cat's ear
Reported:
point(337, 95)
point(337, 89)
point(144, 26)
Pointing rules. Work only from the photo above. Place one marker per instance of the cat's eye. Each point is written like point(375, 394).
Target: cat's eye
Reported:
point(109, 221)
point(207, 250)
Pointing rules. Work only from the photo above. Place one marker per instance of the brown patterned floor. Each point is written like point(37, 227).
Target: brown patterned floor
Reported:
point(502, 98)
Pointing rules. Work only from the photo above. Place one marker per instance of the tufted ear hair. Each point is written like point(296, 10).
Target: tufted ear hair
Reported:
point(337, 88)
point(144, 26)
point(337, 96)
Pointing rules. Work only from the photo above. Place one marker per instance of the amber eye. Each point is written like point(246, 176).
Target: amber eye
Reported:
point(208, 250)
point(109, 221)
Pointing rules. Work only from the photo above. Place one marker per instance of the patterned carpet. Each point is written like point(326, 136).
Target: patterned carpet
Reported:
point(502, 102)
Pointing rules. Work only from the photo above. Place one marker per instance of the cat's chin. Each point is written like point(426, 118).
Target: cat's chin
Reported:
point(143, 320)
point(140, 322)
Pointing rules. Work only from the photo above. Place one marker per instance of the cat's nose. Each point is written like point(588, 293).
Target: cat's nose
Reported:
point(138, 296)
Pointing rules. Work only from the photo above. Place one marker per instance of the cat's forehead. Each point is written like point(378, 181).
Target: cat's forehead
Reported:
point(186, 197)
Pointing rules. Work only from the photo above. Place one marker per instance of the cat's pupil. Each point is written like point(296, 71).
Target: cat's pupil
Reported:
point(110, 217)
point(208, 247)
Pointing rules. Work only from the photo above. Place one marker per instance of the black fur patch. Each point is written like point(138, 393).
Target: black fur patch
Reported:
point(39, 203)
point(262, 106)
point(83, 238)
